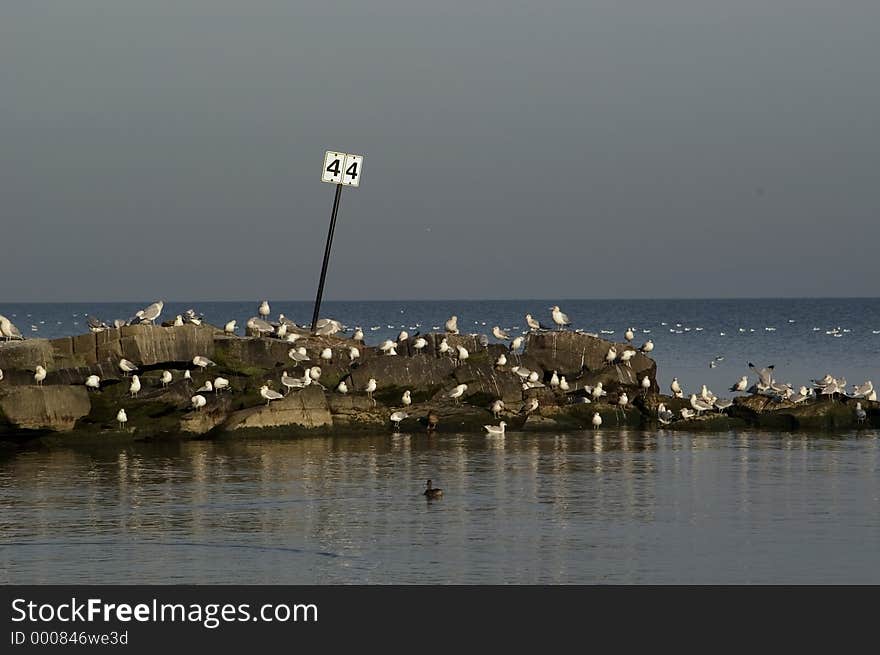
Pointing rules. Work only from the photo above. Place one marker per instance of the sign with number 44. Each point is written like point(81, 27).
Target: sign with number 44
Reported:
point(342, 168)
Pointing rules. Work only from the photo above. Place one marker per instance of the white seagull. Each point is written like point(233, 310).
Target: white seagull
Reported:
point(166, 378)
point(406, 399)
point(40, 375)
point(202, 362)
point(93, 382)
point(198, 401)
point(561, 319)
point(135, 387)
point(126, 366)
point(495, 431)
point(457, 392)
point(264, 310)
point(596, 420)
point(269, 394)
point(397, 417)
point(452, 325)
point(370, 388)
point(229, 328)
point(122, 418)
point(220, 384)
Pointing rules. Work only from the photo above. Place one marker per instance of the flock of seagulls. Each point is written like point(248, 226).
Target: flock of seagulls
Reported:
point(287, 330)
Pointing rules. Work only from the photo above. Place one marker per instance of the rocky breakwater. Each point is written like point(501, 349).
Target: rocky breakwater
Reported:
point(540, 386)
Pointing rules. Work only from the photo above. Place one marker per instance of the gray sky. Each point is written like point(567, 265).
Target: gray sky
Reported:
point(581, 148)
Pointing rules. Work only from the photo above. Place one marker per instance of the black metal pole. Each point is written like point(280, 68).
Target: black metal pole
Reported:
point(326, 256)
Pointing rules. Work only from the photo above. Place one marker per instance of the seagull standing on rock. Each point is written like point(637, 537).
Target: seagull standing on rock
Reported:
point(220, 384)
point(458, 392)
point(264, 311)
point(40, 375)
point(370, 388)
point(463, 354)
point(229, 328)
point(122, 418)
point(92, 382)
point(202, 362)
point(675, 387)
point(166, 378)
point(647, 347)
point(358, 334)
point(342, 387)
point(741, 385)
point(126, 366)
point(561, 319)
point(135, 386)
point(198, 401)
point(629, 335)
point(269, 394)
point(452, 324)
point(500, 334)
point(420, 344)
point(406, 399)
point(497, 408)
point(397, 417)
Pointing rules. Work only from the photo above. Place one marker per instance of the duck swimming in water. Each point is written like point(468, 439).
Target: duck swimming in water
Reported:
point(432, 492)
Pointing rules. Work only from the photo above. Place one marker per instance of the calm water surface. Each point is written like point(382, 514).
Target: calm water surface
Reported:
point(609, 507)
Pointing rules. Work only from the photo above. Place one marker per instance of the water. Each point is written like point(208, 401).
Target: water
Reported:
point(612, 507)
point(790, 333)
point(582, 507)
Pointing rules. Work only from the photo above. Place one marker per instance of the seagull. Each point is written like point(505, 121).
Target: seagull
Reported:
point(92, 382)
point(627, 355)
point(596, 420)
point(198, 401)
point(721, 405)
point(554, 380)
point(452, 325)
point(269, 394)
point(457, 392)
point(264, 311)
point(406, 399)
point(122, 418)
point(202, 362)
point(166, 378)
point(444, 346)
point(281, 330)
point(187, 375)
point(135, 386)
point(353, 353)
point(559, 317)
point(687, 413)
point(530, 407)
point(630, 334)
point(40, 375)
point(646, 384)
point(259, 326)
point(500, 334)
point(515, 344)
point(597, 392)
point(327, 355)
point(611, 355)
point(327, 326)
point(563, 384)
point(151, 313)
point(675, 387)
point(647, 347)
point(178, 321)
point(342, 387)
point(699, 405)
point(95, 325)
point(501, 361)
point(741, 385)
point(861, 414)
point(298, 355)
point(664, 415)
point(864, 390)
point(220, 384)
point(388, 347)
point(358, 334)
point(495, 431)
point(126, 366)
point(291, 383)
point(315, 373)
point(370, 388)
point(497, 408)
point(8, 330)
point(533, 323)
point(765, 375)
point(462, 353)
point(420, 344)
point(397, 417)
point(208, 386)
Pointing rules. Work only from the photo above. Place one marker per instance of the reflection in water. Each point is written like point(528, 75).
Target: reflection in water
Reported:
point(603, 506)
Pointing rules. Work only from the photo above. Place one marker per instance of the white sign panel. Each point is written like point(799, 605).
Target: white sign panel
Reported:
point(342, 168)
point(351, 173)
point(333, 167)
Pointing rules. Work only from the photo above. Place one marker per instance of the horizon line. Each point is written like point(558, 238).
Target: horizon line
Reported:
point(408, 300)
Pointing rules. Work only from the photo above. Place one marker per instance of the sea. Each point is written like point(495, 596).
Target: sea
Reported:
point(608, 506)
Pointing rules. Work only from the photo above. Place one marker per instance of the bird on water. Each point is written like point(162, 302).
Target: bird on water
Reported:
point(432, 492)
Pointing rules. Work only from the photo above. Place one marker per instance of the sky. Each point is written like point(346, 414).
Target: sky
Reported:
point(555, 149)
